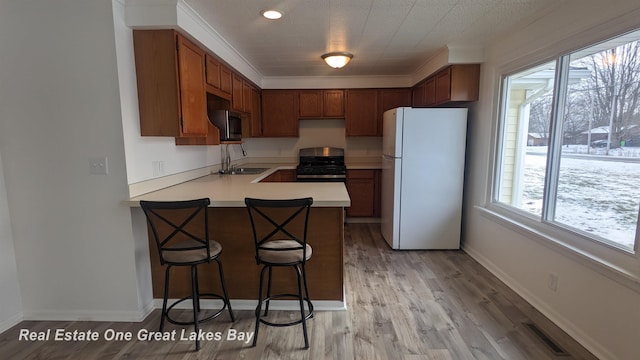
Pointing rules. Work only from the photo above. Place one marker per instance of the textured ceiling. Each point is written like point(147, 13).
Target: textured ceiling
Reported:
point(387, 37)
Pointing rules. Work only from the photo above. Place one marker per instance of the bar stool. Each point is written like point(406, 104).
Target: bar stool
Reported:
point(181, 232)
point(280, 238)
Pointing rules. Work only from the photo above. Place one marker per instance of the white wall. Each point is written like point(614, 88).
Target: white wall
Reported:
point(599, 311)
point(11, 309)
point(140, 151)
point(60, 106)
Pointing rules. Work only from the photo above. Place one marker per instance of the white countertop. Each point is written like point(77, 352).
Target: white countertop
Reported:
point(230, 190)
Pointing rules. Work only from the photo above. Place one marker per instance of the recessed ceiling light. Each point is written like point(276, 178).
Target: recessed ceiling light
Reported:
point(272, 14)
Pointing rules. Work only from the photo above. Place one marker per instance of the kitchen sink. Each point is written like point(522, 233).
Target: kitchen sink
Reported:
point(247, 171)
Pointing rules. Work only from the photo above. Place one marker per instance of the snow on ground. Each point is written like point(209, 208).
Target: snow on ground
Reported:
point(596, 194)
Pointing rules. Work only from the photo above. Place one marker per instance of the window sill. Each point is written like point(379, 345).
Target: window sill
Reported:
point(554, 239)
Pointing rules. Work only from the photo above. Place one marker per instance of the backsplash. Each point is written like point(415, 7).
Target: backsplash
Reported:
point(313, 133)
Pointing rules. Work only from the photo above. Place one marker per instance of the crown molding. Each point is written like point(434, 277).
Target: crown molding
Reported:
point(177, 14)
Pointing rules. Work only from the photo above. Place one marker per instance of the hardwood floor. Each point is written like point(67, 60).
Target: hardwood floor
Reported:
point(401, 305)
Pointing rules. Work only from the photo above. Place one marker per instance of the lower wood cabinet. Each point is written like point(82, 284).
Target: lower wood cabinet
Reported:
point(286, 175)
point(364, 190)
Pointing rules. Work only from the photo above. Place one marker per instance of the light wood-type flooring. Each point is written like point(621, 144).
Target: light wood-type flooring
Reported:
point(401, 305)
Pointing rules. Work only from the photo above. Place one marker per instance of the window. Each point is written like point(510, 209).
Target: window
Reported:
point(569, 142)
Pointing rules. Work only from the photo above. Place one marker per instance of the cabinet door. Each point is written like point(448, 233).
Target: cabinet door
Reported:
point(465, 82)
point(237, 92)
point(333, 103)
point(193, 101)
point(246, 96)
point(218, 78)
point(391, 99)
point(225, 79)
point(417, 95)
point(321, 103)
point(310, 103)
point(361, 112)
point(362, 191)
point(443, 85)
point(256, 113)
point(213, 71)
point(430, 91)
point(279, 113)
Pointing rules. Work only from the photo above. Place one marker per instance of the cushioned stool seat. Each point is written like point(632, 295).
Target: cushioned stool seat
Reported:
point(181, 232)
point(280, 239)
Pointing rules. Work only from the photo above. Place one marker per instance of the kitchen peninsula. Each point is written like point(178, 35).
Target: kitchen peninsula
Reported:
point(229, 225)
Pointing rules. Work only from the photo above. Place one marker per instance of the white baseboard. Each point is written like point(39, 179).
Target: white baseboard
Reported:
point(318, 305)
point(567, 326)
point(11, 322)
point(88, 315)
point(138, 316)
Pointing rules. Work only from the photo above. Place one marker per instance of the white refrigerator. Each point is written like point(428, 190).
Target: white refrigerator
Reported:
point(422, 177)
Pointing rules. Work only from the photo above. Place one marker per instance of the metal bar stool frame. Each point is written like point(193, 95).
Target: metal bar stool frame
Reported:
point(196, 251)
point(299, 207)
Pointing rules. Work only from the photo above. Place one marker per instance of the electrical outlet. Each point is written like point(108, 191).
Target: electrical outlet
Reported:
point(552, 282)
point(158, 168)
point(98, 166)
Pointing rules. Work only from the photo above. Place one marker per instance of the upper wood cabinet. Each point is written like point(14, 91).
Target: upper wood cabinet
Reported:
point(391, 99)
point(252, 120)
point(279, 113)
point(321, 103)
point(218, 78)
point(361, 112)
point(455, 83)
point(237, 92)
point(170, 72)
point(333, 103)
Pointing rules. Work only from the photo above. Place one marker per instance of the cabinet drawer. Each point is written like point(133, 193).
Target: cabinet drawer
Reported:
point(360, 174)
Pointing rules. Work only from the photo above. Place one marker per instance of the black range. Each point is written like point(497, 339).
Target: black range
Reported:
point(321, 164)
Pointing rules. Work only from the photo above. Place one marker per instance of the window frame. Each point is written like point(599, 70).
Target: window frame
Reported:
point(620, 263)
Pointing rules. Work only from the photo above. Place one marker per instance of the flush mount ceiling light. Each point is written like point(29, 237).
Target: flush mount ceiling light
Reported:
point(337, 59)
point(272, 14)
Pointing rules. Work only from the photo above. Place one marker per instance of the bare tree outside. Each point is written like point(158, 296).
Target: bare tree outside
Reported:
point(609, 96)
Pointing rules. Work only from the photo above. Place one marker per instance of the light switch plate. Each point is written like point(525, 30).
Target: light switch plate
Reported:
point(98, 166)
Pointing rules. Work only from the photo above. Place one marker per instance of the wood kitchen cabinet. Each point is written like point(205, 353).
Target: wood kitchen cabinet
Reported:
point(279, 113)
point(424, 94)
point(218, 78)
point(364, 190)
point(253, 127)
point(453, 84)
point(237, 92)
point(321, 103)
point(170, 72)
point(391, 99)
point(457, 83)
point(285, 175)
point(361, 112)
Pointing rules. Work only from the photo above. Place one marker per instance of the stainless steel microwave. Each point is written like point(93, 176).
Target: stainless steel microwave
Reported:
point(229, 124)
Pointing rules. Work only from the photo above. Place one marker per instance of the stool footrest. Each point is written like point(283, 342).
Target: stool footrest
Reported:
point(308, 316)
point(209, 296)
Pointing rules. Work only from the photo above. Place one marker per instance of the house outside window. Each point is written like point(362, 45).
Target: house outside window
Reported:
point(569, 143)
